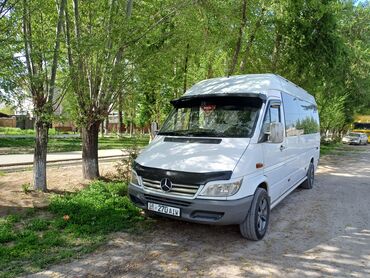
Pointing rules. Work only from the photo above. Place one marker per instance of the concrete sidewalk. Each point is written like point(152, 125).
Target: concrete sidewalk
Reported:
point(27, 159)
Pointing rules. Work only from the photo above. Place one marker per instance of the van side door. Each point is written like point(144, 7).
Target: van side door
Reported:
point(273, 153)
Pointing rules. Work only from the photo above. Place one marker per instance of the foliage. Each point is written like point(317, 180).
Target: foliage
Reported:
point(26, 187)
point(74, 224)
point(309, 125)
point(138, 60)
point(7, 110)
point(123, 167)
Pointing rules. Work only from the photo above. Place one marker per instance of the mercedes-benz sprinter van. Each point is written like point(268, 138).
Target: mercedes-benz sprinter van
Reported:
point(231, 149)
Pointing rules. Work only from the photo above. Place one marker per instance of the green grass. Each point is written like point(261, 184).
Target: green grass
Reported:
point(328, 148)
point(18, 131)
point(26, 145)
point(73, 225)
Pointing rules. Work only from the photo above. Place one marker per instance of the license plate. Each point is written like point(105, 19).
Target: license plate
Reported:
point(164, 209)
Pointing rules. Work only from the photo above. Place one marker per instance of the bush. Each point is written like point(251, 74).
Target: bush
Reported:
point(38, 225)
point(6, 233)
point(101, 208)
point(77, 224)
point(123, 167)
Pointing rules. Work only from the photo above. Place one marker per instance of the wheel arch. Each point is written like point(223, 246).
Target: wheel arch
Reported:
point(263, 185)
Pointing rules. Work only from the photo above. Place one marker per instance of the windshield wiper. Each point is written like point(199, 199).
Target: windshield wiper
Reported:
point(175, 133)
point(191, 133)
point(200, 132)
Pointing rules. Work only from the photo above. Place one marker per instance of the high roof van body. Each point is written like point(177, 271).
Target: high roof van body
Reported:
point(230, 151)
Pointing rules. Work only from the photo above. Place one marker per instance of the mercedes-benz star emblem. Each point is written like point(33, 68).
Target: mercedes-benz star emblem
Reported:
point(166, 184)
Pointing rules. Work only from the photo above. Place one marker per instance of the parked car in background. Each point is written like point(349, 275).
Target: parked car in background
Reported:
point(231, 150)
point(362, 125)
point(355, 138)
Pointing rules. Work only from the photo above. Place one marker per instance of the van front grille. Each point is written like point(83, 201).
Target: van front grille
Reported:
point(188, 190)
point(166, 201)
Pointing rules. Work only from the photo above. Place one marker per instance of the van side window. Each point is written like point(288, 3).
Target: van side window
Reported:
point(301, 117)
point(272, 116)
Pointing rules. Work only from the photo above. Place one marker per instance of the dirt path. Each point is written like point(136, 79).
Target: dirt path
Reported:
point(320, 232)
point(13, 195)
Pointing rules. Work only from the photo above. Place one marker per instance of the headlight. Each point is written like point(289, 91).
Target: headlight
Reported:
point(135, 179)
point(221, 189)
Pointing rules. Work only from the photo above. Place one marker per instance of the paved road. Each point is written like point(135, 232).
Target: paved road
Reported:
point(27, 159)
point(320, 232)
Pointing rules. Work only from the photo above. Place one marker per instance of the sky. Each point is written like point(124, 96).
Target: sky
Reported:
point(360, 2)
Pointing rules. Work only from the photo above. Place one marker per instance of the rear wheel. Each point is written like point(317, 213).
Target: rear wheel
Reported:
point(308, 183)
point(254, 227)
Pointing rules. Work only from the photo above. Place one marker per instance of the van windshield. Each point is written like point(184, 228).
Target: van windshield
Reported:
point(213, 117)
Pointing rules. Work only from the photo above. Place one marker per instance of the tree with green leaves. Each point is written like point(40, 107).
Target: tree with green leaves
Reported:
point(33, 33)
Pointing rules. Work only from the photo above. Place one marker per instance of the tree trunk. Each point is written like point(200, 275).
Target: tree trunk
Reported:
point(39, 160)
point(131, 128)
point(106, 131)
point(243, 65)
point(129, 8)
point(239, 40)
point(276, 51)
point(90, 163)
point(186, 67)
point(120, 121)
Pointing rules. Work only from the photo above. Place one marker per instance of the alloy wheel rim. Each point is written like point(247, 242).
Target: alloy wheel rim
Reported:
point(262, 214)
point(311, 175)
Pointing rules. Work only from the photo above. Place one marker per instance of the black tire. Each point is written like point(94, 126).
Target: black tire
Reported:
point(254, 227)
point(308, 183)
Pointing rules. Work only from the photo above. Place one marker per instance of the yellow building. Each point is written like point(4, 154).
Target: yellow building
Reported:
point(362, 124)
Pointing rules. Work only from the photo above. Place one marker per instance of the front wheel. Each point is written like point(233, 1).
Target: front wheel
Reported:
point(308, 183)
point(254, 227)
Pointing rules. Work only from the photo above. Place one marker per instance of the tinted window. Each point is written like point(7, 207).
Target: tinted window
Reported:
point(362, 126)
point(301, 117)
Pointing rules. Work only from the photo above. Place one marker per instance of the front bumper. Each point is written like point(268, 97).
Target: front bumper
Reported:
point(349, 141)
point(225, 212)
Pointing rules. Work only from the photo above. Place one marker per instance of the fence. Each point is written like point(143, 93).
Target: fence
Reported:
point(8, 122)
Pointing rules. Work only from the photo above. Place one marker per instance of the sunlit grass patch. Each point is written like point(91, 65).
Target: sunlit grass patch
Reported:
point(73, 225)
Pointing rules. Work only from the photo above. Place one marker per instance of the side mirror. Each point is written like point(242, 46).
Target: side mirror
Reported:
point(276, 133)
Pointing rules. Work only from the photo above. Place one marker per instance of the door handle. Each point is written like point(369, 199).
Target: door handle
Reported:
point(282, 147)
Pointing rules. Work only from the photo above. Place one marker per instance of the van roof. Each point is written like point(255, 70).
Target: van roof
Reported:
point(249, 83)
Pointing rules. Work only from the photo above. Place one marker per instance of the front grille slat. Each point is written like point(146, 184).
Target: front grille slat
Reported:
point(153, 187)
point(151, 181)
point(166, 201)
point(186, 186)
point(186, 190)
point(183, 190)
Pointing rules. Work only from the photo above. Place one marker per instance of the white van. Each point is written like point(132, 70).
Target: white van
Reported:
point(231, 150)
